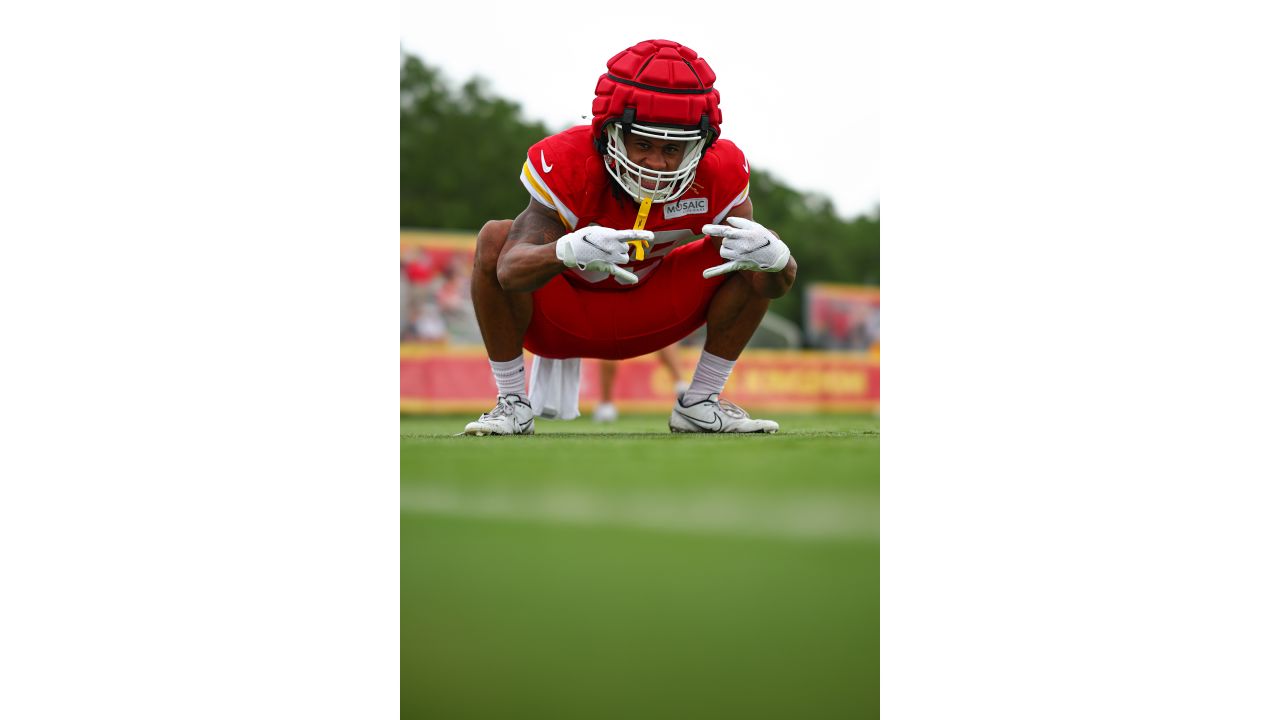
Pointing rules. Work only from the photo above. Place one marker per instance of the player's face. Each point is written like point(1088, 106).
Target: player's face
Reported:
point(654, 154)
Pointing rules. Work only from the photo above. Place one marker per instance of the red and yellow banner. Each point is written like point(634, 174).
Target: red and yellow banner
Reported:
point(442, 379)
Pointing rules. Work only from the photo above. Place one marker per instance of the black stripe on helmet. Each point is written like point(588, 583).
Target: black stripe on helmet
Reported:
point(655, 88)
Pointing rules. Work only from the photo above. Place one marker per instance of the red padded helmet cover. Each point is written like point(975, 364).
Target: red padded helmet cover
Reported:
point(667, 84)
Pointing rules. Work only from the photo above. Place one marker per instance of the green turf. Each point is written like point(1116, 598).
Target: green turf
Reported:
point(622, 571)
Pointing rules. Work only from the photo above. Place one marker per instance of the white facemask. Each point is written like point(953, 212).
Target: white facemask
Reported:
point(667, 185)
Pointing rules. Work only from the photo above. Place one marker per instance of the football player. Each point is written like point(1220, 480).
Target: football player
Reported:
point(638, 231)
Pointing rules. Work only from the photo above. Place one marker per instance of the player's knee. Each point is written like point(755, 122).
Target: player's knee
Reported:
point(489, 245)
point(739, 285)
point(776, 286)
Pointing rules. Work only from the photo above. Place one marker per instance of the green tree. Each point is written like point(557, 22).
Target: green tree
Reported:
point(460, 151)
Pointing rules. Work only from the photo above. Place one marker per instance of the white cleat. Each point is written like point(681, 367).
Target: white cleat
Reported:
point(511, 416)
point(714, 415)
point(605, 413)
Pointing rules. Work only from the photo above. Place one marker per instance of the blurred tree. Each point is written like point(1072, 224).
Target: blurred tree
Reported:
point(461, 150)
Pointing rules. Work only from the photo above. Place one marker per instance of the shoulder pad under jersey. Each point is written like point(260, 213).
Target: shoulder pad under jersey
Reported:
point(563, 172)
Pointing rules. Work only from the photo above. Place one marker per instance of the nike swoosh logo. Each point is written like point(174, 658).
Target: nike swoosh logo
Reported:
point(545, 166)
point(744, 167)
point(713, 427)
point(587, 239)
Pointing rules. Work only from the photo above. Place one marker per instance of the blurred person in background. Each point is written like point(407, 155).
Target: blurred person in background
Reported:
point(451, 291)
point(606, 411)
point(577, 274)
point(419, 270)
point(424, 319)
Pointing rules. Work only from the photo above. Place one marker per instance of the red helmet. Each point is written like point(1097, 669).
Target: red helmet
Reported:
point(658, 89)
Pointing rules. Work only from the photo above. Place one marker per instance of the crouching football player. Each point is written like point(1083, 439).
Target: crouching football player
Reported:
point(638, 231)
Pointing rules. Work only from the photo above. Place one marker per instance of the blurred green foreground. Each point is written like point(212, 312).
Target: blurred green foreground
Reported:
point(621, 571)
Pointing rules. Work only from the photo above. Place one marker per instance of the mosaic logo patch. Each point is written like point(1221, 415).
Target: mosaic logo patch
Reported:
point(680, 208)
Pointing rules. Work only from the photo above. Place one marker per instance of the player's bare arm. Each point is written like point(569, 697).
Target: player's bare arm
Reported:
point(528, 260)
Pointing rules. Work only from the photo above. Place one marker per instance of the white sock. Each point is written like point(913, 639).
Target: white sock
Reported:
point(709, 378)
point(509, 375)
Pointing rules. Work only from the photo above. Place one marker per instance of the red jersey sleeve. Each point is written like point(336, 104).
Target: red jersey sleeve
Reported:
point(727, 175)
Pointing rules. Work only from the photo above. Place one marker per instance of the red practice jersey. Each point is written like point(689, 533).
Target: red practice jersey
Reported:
point(566, 174)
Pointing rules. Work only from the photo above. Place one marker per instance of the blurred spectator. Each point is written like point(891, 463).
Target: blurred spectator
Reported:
point(418, 269)
point(451, 290)
point(439, 296)
point(606, 411)
point(452, 287)
point(425, 322)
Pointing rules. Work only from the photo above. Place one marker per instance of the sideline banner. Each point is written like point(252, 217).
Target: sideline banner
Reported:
point(843, 317)
point(449, 379)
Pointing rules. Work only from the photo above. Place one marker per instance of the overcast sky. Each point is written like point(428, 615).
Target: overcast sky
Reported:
point(798, 85)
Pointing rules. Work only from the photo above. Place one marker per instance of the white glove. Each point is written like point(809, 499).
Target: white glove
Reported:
point(749, 247)
point(601, 249)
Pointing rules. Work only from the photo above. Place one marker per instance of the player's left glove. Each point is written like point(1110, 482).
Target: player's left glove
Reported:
point(747, 245)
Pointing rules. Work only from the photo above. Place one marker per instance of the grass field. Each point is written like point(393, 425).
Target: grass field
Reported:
point(622, 571)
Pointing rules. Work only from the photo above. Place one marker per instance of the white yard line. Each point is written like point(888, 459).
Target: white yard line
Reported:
point(726, 512)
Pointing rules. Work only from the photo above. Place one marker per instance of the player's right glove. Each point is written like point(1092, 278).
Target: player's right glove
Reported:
point(601, 249)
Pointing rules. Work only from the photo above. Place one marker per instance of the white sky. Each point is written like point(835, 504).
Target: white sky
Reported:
point(798, 84)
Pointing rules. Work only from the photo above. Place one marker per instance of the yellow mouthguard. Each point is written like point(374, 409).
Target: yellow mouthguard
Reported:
point(641, 218)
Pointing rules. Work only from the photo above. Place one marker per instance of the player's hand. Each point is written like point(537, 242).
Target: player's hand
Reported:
point(747, 245)
point(601, 249)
